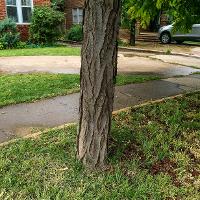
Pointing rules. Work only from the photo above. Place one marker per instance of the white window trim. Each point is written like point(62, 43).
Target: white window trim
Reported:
point(19, 11)
point(78, 15)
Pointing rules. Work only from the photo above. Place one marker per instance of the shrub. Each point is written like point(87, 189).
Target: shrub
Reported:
point(122, 43)
point(21, 45)
point(75, 33)
point(1, 45)
point(46, 25)
point(9, 36)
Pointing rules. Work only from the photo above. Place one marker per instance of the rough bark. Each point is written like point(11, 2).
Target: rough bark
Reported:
point(98, 73)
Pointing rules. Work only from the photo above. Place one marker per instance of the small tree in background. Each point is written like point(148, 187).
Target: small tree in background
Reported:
point(46, 25)
point(128, 22)
point(9, 36)
point(184, 12)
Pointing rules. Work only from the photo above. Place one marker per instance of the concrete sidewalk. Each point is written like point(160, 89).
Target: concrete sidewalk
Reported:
point(17, 120)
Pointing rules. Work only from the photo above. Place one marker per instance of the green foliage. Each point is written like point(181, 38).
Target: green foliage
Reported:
point(9, 36)
point(122, 43)
point(1, 45)
point(21, 45)
point(184, 12)
point(144, 10)
point(75, 33)
point(46, 25)
point(125, 18)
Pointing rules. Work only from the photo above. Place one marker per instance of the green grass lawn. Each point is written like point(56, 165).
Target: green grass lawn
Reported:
point(46, 51)
point(153, 155)
point(196, 73)
point(20, 88)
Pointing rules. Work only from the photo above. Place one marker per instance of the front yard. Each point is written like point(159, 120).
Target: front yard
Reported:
point(46, 51)
point(19, 88)
point(153, 154)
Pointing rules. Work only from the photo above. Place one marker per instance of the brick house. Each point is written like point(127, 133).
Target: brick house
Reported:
point(20, 11)
point(74, 12)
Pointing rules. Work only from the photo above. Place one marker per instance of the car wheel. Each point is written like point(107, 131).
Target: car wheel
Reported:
point(165, 38)
point(179, 41)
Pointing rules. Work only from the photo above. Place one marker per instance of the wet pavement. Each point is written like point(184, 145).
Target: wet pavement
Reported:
point(127, 63)
point(179, 60)
point(17, 120)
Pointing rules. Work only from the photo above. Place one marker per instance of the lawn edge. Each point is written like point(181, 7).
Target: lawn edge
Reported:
point(37, 134)
point(71, 92)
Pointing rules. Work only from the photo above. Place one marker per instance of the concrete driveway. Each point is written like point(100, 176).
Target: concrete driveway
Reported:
point(127, 63)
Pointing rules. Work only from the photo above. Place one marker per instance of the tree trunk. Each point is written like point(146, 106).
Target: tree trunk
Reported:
point(98, 73)
point(133, 33)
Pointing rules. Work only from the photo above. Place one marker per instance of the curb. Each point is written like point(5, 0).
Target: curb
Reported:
point(134, 49)
point(127, 49)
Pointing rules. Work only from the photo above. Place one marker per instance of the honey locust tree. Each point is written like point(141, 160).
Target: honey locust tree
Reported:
point(183, 12)
point(143, 10)
point(98, 74)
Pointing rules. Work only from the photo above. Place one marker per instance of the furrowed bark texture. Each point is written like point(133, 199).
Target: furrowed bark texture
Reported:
point(98, 73)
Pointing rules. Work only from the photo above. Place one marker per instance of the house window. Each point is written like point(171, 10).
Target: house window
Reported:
point(19, 10)
point(77, 14)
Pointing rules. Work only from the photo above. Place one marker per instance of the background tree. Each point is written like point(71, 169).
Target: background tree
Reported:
point(98, 73)
point(142, 10)
point(127, 21)
point(183, 12)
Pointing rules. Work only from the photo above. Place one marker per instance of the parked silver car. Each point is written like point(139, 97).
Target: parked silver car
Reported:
point(166, 34)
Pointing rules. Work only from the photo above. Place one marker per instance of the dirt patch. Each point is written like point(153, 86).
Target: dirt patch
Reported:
point(132, 151)
point(168, 167)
